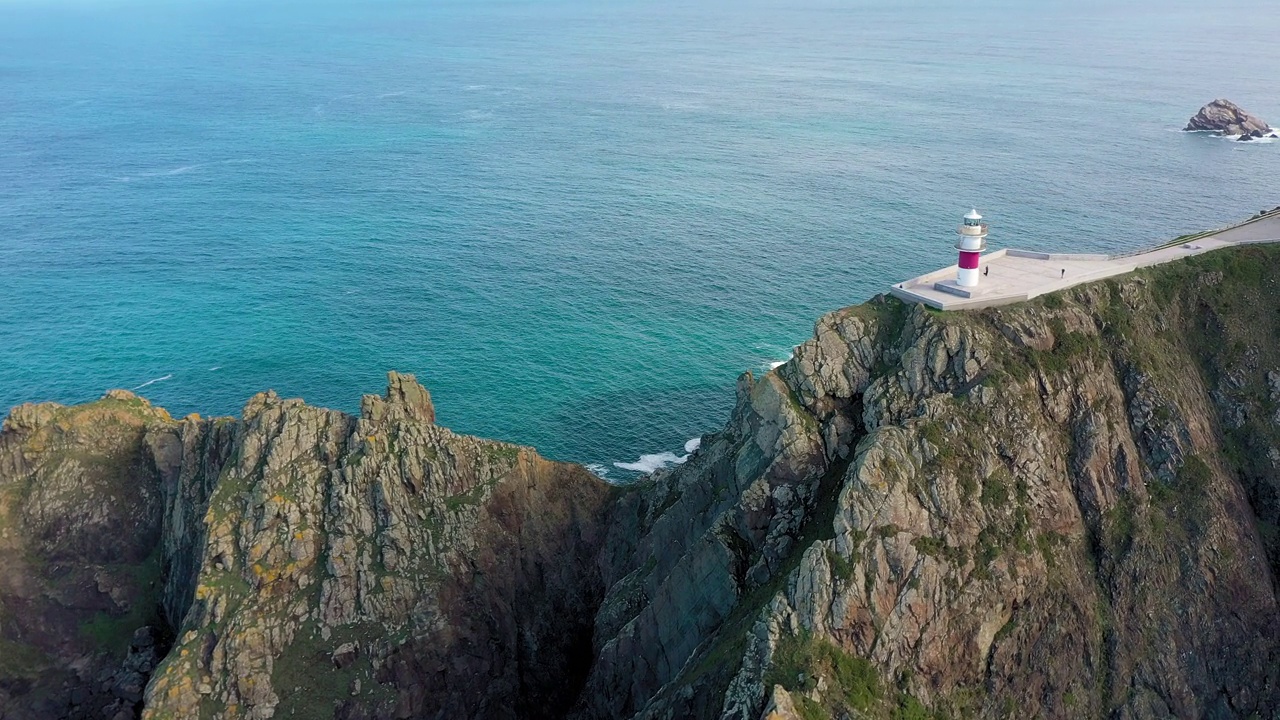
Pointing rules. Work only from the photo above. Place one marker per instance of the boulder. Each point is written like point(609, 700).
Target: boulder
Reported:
point(1226, 118)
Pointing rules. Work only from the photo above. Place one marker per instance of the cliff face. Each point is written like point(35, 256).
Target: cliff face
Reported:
point(1067, 507)
point(375, 567)
point(80, 523)
point(314, 564)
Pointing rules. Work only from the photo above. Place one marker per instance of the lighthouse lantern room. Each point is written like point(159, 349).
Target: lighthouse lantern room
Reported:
point(973, 240)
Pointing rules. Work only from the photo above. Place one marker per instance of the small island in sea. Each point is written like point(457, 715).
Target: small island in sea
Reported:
point(1226, 118)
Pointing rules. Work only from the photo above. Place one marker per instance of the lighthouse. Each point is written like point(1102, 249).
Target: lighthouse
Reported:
point(973, 240)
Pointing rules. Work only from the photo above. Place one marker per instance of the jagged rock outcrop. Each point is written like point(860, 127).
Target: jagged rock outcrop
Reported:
point(380, 566)
point(311, 564)
point(1066, 508)
point(1226, 118)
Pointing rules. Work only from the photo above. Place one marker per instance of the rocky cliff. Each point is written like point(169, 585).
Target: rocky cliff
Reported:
point(312, 564)
point(1065, 508)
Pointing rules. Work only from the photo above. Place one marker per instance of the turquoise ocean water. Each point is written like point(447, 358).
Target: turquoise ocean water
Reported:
point(576, 220)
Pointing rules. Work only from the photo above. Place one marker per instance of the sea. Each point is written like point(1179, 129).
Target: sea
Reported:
point(576, 221)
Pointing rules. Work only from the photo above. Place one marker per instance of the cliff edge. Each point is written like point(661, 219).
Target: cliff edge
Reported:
point(1066, 507)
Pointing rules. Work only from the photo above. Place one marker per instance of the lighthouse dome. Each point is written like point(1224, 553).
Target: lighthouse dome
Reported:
point(973, 215)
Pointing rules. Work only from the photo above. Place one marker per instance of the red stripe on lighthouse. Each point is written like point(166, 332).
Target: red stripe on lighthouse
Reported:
point(969, 260)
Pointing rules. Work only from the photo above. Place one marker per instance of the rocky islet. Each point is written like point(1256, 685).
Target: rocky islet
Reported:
point(1226, 118)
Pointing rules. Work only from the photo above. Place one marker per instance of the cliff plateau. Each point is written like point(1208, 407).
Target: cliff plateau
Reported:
point(1063, 508)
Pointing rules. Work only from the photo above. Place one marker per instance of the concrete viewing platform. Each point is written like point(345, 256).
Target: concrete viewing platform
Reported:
point(1010, 276)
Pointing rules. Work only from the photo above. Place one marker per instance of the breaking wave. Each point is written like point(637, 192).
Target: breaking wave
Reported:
point(657, 461)
point(651, 463)
point(155, 380)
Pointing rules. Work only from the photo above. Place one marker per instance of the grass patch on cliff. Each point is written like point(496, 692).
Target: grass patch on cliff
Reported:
point(111, 632)
point(799, 660)
point(471, 497)
point(995, 492)
point(937, 547)
point(840, 565)
point(1186, 502)
point(311, 685)
point(19, 659)
point(853, 686)
point(1067, 346)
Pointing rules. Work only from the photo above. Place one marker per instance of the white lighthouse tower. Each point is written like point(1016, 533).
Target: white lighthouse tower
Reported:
point(973, 240)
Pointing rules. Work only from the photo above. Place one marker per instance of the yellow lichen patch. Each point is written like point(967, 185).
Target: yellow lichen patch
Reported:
point(258, 551)
point(267, 575)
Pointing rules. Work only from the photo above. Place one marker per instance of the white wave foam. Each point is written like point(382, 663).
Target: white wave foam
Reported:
point(657, 461)
point(775, 364)
point(215, 367)
point(1265, 140)
point(184, 169)
point(175, 171)
point(156, 380)
point(650, 463)
point(773, 351)
point(598, 470)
